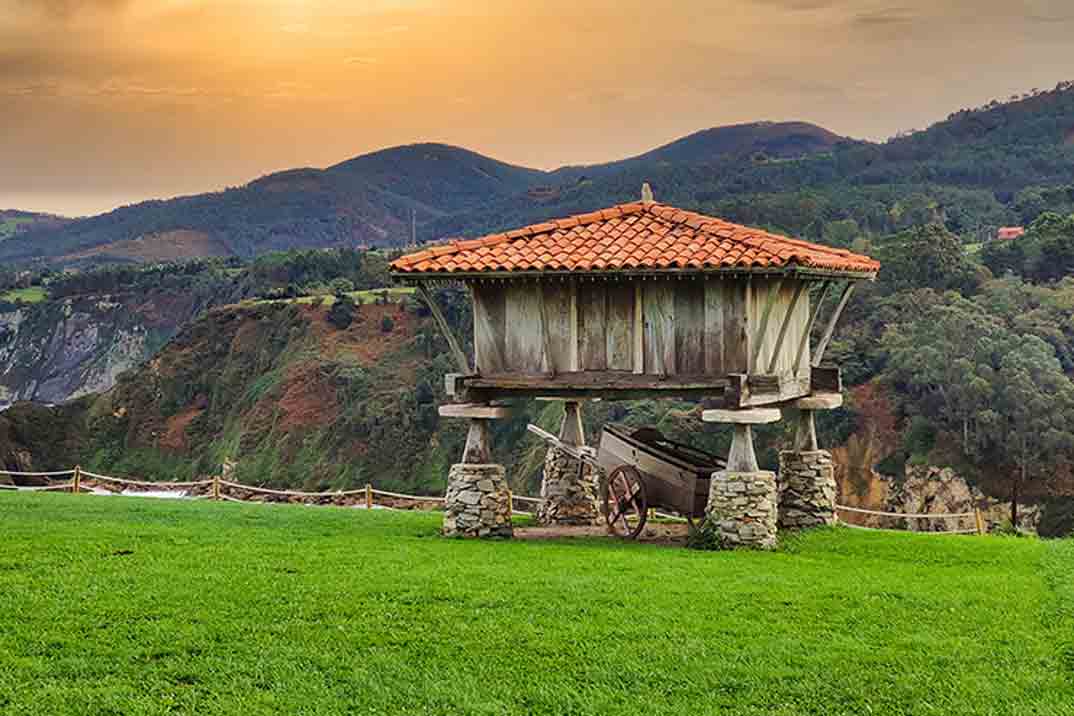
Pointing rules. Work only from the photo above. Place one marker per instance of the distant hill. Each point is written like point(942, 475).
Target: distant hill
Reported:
point(13, 222)
point(368, 200)
point(978, 169)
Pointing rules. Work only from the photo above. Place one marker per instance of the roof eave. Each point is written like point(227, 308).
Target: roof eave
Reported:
point(795, 271)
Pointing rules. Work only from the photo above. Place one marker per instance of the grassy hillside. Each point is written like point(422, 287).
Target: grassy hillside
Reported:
point(132, 606)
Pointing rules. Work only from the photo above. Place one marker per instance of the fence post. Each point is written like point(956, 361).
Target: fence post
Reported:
point(216, 487)
point(76, 484)
point(980, 520)
point(368, 496)
point(510, 505)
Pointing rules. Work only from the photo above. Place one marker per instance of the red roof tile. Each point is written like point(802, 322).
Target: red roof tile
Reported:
point(645, 236)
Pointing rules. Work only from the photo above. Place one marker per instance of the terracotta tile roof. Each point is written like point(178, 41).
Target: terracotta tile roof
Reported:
point(638, 236)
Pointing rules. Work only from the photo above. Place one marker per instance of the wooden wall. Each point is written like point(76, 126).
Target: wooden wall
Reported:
point(688, 327)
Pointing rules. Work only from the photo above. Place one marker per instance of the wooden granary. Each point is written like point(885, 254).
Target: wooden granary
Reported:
point(642, 300)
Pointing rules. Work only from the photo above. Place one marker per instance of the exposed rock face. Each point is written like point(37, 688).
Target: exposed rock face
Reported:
point(478, 502)
point(941, 490)
point(806, 489)
point(568, 491)
point(931, 490)
point(58, 350)
point(742, 507)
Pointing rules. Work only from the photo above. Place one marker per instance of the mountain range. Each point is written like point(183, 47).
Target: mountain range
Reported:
point(377, 199)
point(970, 171)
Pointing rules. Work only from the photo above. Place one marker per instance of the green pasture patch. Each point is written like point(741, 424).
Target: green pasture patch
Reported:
point(131, 606)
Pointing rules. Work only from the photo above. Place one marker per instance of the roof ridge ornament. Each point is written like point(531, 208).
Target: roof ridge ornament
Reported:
point(647, 194)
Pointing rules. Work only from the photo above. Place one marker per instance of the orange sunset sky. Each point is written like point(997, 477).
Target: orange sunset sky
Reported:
point(107, 102)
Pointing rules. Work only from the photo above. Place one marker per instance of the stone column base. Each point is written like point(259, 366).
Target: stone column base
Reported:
point(742, 508)
point(806, 489)
point(477, 503)
point(567, 496)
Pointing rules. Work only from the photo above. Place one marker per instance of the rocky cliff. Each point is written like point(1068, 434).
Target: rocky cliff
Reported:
point(57, 350)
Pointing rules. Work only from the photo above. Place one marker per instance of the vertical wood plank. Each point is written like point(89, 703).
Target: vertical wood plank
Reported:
point(524, 349)
point(619, 331)
point(790, 323)
point(573, 318)
point(556, 299)
point(639, 328)
point(489, 328)
point(714, 327)
point(737, 325)
point(659, 313)
point(593, 345)
point(689, 327)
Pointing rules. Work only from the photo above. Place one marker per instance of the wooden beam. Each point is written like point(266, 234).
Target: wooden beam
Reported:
point(618, 385)
point(546, 339)
point(574, 361)
point(478, 411)
point(818, 353)
point(750, 416)
point(785, 325)
point(809, 327)
point(758, 336)
point(639, 331)
point(445, 330)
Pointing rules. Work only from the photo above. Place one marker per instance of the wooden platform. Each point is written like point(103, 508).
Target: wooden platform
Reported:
point(595, 384)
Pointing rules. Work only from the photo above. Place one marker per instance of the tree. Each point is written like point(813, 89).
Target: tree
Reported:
point(342, 312)
point(1029, 426)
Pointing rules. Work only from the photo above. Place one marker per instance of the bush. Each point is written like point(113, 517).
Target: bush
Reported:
point(341, 315)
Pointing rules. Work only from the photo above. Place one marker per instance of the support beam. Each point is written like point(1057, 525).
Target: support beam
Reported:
point(571, 431)
point(478, 450)
point(818, 354)
point(804, 342)
point(787, 318)
point(445, 330)
point(805, 434)
point(758, 336)
point(475, 411)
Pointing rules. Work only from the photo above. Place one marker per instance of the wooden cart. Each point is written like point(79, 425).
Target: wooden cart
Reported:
point(646, 470)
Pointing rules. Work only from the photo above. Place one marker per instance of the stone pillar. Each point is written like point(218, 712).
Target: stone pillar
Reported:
point(568, 486)
point(806, 474)
point(478, 500)
point(806, 489)
point(742, 505)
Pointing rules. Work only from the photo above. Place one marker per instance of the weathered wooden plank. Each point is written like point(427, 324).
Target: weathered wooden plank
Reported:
point(593, 325)
point(803, 340)
point(557, 322)
point(489, 328)
point(689, 327)
point(595, 384)
point(639, 328)
point(738, 295)
point(573, 340)
point(659, 312)
point(524, 347)
point(619, 328)
point(453, 343)
point(818, 354)
point(790, 318)
point(770, 289)
point(713, 332)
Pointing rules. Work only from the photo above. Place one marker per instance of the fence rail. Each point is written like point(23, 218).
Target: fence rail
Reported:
point(218, 487)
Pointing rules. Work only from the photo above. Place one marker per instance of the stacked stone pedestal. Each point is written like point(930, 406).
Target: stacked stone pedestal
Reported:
point(742, 507)
point(478, 502)
point(807, 489)
point(568, 491)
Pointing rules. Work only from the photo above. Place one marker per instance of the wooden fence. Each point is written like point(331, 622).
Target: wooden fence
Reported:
point(217, 488)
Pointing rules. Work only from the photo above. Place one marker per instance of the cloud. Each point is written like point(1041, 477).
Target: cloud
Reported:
point(68, 8)
point(884, 17)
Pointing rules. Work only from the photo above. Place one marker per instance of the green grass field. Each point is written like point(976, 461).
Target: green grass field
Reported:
point(395, 293)
point(135, 606)
point(32, 294)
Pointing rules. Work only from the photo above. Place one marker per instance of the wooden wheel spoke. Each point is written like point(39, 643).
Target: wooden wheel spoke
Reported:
point(624, 501)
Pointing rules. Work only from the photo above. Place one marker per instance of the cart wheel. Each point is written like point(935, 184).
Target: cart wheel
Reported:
point(625, 508)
